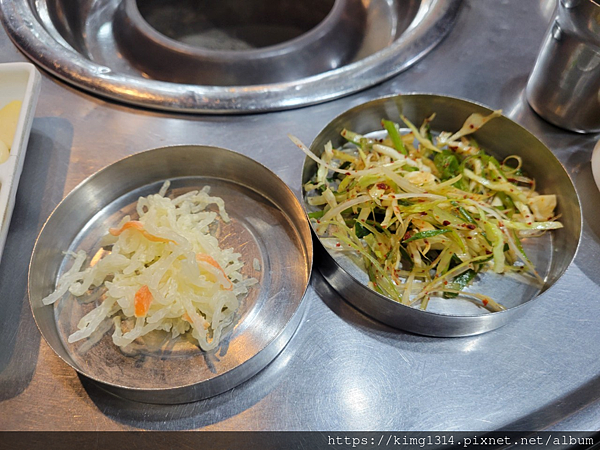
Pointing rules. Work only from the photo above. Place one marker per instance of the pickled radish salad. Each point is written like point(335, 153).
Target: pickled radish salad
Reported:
point(162, 271)
point(426, 214)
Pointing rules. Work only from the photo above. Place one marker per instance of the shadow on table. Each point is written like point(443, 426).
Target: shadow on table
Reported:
point(40, 189)
point(562, 411)
point(203, 413)
point(382, 332)
point(589, 197)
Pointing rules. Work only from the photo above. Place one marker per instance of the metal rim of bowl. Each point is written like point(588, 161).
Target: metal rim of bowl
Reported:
point(407, 318)
point(433, 22)
point(238, 374)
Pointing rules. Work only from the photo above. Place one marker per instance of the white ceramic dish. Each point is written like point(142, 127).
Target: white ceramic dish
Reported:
point(18, 81)
point(596, 164)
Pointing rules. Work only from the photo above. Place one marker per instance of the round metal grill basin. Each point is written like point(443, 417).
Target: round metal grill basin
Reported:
point(78, 41)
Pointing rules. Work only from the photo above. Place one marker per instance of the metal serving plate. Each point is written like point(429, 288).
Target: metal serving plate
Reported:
point(267, 224)
point(551, 253)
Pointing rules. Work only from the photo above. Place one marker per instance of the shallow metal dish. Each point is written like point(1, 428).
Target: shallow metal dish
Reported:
point(551, 253)
point(267, 223)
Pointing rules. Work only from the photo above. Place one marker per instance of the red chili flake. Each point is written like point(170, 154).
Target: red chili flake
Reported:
point(488, 252)
point(423, 213)
point(348, 173)
point(512, 180)
point(469, 237)
point(470, 226)
point(485, 302)
point(446, 283)
point(528, 223)
point(471, 126)
point(382, 186)
point(446, 223)
point(338, 245)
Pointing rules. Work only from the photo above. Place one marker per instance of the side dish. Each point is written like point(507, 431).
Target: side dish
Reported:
point(9, 117)
point(427, 214)
point(163, 271)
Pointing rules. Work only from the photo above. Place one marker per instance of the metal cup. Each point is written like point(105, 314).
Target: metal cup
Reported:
point(564, 87)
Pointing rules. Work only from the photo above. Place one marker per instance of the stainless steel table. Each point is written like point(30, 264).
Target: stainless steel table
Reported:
point(341, 370)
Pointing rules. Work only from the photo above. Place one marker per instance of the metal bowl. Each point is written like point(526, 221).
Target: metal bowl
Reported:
point(552, 253)
point(267, 224)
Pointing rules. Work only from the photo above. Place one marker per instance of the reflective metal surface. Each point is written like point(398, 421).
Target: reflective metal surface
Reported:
point(341, 370)
point(234, 43)
point(267, 225)
point(564, 87)
point(552, 253)
point(109, 48)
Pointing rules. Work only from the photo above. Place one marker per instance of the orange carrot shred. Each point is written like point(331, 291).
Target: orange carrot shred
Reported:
point(142, 300)
point(136, 225)
point(203, 257)
point(187, 318)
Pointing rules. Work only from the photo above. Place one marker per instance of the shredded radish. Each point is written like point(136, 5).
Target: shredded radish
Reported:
point(164, 271)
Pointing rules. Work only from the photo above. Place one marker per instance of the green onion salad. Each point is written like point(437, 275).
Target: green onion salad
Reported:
point(427, 214)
